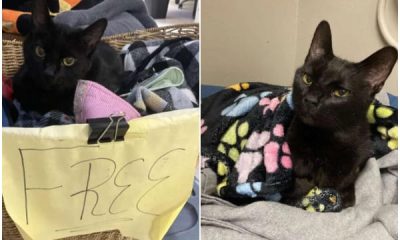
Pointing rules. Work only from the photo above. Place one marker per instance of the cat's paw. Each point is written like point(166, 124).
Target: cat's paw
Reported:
point(321, 200)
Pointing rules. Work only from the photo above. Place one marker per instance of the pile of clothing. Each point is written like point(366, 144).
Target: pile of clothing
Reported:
point(160, 76)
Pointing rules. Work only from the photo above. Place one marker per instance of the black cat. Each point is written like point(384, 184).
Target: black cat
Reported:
point(329, 135)
point(56, 57)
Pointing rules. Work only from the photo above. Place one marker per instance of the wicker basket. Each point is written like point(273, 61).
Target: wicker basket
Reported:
point(13, 56)
point(13, 59)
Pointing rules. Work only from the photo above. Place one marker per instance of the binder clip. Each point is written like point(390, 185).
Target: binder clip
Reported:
point(108, 129)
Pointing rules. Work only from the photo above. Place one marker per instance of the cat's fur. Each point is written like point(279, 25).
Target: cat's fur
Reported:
point(45, 84)
point(330, 137)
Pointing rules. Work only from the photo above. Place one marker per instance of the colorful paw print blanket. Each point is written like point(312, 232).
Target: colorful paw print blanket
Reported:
point(244, 141)
point(383, 121)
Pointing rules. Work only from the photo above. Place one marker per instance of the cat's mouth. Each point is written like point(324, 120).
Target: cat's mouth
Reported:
point(58, 84)
point(309, 120)
point(310, 117)
point(316, 120)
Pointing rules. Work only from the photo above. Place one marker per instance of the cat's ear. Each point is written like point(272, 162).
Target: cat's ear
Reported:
point(321, 45)
point(40, 15)
point(92, 34)
point(376, 68)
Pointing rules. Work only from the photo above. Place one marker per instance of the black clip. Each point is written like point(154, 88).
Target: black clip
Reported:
point(107, 129)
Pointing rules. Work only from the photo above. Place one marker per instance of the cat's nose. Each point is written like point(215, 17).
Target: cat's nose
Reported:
point(311, 100)
point(50, 70)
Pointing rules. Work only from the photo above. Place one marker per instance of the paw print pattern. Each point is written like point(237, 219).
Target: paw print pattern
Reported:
point(221, 185)
point(234, 140)
point(252, 158)
point(286, 160)
point(241, 106)
point(271, 152)
point(246, 164)
point(258, 140)
point(381, 112)
point(270, 104)
point(240, 86)
point(249, 189)
point(321, 200)
point(384, 119)
point(249, 160)
point(390, 135)
point(230, 145)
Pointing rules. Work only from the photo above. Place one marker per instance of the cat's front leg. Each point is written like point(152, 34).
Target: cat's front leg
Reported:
point(346, 188)
point(302, 181)
point(299, 189)
point(342, 183)
point(348, 196)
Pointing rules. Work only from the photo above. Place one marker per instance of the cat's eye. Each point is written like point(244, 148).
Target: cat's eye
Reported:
point(69, 61)
point(340, 92)
point(40, 52)
point(307, 79)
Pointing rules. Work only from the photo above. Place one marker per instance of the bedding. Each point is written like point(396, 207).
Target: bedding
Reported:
point(374, 215)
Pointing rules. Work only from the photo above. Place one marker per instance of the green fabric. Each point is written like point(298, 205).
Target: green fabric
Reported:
point(170, 77)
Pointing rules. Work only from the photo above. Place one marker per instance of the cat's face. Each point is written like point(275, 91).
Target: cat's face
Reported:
point(330, 92)
point(57, 56)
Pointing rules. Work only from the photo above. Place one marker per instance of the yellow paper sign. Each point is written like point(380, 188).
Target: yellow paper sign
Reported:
point(55, 185)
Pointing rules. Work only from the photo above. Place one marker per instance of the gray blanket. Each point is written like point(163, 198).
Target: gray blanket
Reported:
point(373, 217)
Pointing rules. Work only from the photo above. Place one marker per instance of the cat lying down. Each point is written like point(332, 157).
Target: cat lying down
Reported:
point(305, 146)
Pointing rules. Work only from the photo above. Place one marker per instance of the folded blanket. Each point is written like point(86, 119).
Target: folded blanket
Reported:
point(244, 142)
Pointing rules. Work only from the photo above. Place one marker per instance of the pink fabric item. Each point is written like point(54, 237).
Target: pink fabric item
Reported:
point(271, 156)
point(286, 162)
point(92, 100)
point(278, 130)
